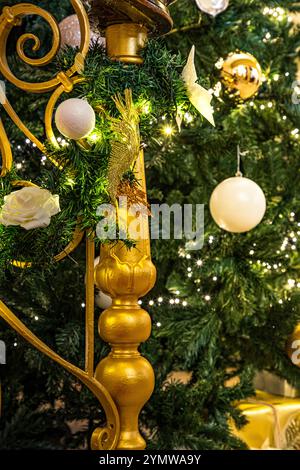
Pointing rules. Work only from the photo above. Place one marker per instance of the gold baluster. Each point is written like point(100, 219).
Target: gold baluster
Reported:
point(127, 275)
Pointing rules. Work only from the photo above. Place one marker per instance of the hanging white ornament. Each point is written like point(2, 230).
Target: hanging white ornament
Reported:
point(70, 33)
point(102, 300)
point(237, 204)
point(75, 118)
point(199, 97)
point(212, 7)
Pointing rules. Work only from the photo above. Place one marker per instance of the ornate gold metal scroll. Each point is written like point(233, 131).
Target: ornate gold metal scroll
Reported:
point(104, 438)
point(12, 16)
point(107, 437)
point(5, 150)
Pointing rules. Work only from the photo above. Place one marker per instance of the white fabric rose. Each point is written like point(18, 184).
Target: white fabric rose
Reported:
point(30, 207)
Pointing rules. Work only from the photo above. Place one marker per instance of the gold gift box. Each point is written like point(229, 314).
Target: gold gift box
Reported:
point(274, 422)
point(274, 385)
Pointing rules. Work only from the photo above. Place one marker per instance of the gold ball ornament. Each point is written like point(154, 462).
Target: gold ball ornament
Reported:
point(293, 347)
point(241, 72)
point(75, 118)
point(70, 32)
point(237, 204)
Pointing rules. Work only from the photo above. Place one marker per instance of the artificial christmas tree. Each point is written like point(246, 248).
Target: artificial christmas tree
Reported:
point(220, 313)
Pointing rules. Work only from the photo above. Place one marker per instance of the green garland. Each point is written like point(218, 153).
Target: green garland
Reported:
point(158, 90)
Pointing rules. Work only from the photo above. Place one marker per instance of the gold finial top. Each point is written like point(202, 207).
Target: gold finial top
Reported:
point(153, 14)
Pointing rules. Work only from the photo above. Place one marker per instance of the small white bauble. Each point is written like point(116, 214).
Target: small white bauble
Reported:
point(212, 7)
point(70, 32)
point(237, 204)
point(75, 118)
point(102, 300)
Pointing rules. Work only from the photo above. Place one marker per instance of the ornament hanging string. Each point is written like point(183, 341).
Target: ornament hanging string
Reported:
point(239, 155)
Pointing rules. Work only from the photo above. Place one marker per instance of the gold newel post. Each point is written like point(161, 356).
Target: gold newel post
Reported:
point(127, 275)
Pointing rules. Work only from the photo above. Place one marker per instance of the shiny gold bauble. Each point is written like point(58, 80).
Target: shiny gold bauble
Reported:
point(293, 347)
point(241, 72)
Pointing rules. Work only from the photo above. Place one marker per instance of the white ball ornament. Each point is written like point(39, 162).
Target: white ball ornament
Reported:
point(70, 33)
point(212, 7)
point(75, 118)
point(237, 204)
point(102, 300)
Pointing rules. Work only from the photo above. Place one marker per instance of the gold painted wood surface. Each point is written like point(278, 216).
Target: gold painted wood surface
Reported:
point(127, 275)
point(268, 416)
point(64, 88)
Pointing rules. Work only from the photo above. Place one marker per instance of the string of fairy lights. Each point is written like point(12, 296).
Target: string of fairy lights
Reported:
point(168, 129)
point(277, 13)
point(290, 240)
point(289, 243)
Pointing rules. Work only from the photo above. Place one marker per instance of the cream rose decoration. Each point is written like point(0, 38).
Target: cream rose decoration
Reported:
point(29, 207)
